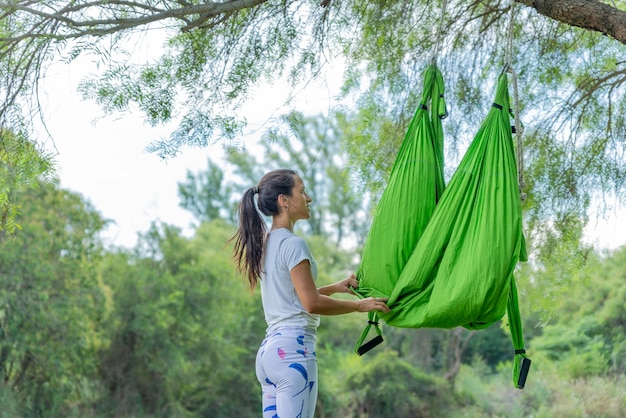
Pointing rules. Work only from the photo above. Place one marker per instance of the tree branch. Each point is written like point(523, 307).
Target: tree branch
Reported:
point(586, 14)
point(80, 22)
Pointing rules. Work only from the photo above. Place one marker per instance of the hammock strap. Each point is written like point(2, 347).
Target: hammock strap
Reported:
point(521, 363)
point(362, 347)
point(439, 35)
point(516, 107)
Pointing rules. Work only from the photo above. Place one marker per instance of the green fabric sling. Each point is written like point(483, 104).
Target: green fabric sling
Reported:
point(449, 264)
point(414, 187)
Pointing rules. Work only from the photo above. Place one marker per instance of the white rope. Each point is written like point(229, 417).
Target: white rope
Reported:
point(509, 39)
point(439, 35)
point(516, 107)
point(518, 135)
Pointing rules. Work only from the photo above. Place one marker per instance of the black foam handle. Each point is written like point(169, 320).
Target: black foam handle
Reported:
point(369, 345)
point(523, 373)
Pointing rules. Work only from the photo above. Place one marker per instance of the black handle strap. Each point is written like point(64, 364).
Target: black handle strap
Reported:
point(363, 347)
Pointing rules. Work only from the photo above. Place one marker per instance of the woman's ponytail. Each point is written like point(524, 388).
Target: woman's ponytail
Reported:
point(250, 238)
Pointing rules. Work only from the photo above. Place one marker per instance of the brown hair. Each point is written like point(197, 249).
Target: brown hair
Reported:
point(250, 238)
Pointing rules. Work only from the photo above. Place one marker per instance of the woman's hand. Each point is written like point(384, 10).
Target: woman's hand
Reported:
point(317, 300)
point(346, 285)
point(364, 305)
point(373, 304)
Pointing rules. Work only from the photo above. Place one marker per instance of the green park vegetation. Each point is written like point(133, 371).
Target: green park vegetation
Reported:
point(167, 329)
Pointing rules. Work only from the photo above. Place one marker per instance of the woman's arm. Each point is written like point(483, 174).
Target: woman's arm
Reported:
point(343, 286)
point(316, 302)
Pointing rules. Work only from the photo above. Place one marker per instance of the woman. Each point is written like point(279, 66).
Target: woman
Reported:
point(286, 365)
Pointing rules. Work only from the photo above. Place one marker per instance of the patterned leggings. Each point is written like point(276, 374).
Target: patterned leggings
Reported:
point(286, 367)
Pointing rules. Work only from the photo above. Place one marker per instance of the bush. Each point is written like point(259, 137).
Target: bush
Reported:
point(591, 397)
point(9, 404)
point(387, 386)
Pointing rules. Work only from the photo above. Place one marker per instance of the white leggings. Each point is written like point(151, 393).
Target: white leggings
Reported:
point(286, 367)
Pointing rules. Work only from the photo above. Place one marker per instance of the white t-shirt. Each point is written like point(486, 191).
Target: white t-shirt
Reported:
point(281, 303)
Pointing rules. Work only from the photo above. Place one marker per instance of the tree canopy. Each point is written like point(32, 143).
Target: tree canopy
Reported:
point(568, 56)
point(216, 50)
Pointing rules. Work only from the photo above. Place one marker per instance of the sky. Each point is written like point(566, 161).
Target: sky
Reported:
point(104, 158)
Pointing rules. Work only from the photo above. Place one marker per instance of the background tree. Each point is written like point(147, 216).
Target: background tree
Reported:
point(206, 195)
point(183, 330)
point(587, 338)
point(387, 386)
point(571, 83)
point(51, 303)
point(313, 146)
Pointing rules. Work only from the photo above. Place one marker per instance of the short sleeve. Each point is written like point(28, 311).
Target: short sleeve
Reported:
point(294, 251)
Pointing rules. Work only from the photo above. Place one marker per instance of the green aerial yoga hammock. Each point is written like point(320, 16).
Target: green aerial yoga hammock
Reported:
point(446, 258)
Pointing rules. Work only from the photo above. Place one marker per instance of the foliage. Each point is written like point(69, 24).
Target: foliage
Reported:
point(598, 396)
point(558, 259)
point(10, 406)
point(588, 336)
point(51, 304)
point(183, 334)
point(372, 139)
point(310, 145)
point(571, 80)
point(168, 329)
point(214, 65)
point(206, 195)
point(549, 395)
point(387, 386)
point(492, 345)
point(571, 89)
point(22, 166)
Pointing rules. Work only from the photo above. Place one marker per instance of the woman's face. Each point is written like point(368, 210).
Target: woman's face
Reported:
point(299, 201)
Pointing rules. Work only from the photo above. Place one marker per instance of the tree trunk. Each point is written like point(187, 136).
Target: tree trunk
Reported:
point(456, 348)
point(587, 14)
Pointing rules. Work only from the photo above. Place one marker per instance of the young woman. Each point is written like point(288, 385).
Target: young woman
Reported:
point(283, 265)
